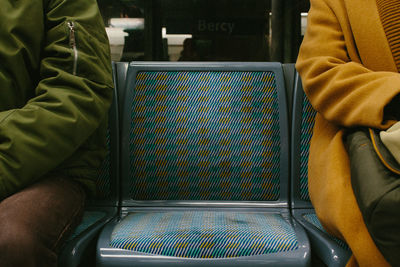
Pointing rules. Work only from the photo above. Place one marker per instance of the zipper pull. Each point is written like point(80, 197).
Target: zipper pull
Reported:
point(71, 27)
point(72, 43)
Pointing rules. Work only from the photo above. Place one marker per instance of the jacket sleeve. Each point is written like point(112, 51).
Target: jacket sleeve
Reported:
point(71, 98)
point(338, 86)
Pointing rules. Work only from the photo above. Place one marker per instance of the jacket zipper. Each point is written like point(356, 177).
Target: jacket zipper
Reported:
point(72, 44)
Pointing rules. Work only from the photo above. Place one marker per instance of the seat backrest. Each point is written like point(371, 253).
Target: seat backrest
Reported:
point(302, 129)
point(204, 133)
point(108, 173)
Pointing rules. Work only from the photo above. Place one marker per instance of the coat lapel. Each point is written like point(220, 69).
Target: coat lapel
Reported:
point(369, 35)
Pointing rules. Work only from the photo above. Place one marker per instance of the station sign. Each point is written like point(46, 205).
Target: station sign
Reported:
point(218, 26)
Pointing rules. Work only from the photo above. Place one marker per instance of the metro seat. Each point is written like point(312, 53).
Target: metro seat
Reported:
point(205, 169)
point(103, 208)
point(331, 250)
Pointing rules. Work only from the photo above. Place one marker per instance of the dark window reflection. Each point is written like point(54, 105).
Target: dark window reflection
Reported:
point(189, 30)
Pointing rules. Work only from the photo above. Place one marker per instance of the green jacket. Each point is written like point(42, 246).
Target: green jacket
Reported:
point(55, 90)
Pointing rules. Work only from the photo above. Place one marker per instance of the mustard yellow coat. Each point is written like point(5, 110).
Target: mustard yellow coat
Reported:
point(349, 75)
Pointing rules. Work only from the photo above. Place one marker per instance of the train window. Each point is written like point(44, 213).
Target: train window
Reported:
point(204, 30)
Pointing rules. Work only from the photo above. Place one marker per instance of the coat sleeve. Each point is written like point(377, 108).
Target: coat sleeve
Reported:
point(338, 86)
point(71, 98)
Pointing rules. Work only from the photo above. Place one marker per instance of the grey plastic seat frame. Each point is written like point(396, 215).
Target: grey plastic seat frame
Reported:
point(73, 251)
point(328, 250)
point(121, 69)
point(108, 256)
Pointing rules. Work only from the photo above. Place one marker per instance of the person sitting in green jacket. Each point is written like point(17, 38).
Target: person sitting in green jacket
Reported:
point(55, 91)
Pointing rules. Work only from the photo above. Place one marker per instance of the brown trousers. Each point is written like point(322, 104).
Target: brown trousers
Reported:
point(35, 221)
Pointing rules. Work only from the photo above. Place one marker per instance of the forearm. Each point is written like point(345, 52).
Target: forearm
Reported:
point(70, 100)
point(338, 85)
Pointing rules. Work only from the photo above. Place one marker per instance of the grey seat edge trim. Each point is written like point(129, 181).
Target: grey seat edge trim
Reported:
point(326, 248)
point(72, 254)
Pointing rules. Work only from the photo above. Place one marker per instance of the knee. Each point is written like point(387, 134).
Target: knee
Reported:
point(15, 241)
point(20, 245)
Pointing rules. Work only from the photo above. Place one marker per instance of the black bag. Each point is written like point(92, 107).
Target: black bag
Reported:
point(375, 177)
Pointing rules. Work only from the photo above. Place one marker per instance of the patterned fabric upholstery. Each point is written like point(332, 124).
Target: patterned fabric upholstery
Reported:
point(203, 135)
point(313, 219)
point(307, 125)
point(204, 234)
point(103, 182)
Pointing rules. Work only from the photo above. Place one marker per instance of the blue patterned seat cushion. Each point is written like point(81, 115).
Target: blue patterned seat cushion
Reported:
point(205, 135)
point(313, 219)
point(204, 234)
point(307, 125)
point(103, 181)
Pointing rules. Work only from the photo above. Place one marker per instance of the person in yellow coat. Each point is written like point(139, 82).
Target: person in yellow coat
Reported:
point(349, 63)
